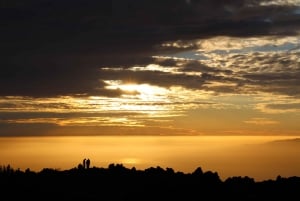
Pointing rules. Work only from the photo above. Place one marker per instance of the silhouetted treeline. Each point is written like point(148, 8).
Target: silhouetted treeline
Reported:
point(117, 182)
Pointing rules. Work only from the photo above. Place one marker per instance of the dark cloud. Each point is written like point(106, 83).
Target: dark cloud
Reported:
point(277, 83)
point(5, 116)
point(196, 66)
point(55, 47)
point(25, 129)
point(166, 62)
point(157, 78)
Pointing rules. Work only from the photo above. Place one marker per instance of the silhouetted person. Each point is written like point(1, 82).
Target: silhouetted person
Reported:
point(84, 162)
point(88, 162)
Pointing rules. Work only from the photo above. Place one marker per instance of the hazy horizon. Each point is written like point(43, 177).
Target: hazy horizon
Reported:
point(259, 157)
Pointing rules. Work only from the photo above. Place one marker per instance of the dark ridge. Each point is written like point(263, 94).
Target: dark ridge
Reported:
point(295, 141)
point(117, 182)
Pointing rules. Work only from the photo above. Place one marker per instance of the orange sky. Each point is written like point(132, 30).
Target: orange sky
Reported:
point(258, 157)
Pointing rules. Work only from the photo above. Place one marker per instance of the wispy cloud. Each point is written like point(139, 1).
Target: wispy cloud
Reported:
point(261, 121)
point(280, 106)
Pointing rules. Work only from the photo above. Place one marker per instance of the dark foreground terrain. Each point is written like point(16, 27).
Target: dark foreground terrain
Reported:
point(120, 183)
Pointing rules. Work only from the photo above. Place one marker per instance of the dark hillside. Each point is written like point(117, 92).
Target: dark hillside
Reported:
point(120, 183)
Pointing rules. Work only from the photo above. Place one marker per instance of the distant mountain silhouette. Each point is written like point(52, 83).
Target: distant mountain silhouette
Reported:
point(290, 142)
point(117, 182)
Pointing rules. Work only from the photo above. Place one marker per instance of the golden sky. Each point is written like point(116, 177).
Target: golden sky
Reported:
point(259, 157)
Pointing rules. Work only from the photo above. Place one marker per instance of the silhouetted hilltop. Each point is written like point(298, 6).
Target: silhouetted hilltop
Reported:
point(288, 142)
point(117, 182)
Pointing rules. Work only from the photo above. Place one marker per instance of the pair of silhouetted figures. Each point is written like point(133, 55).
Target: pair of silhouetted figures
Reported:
point(86, 163)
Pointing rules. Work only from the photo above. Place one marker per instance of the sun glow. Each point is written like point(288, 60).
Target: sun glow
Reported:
point(143, 88)
point(130, 161)
point(142, 91)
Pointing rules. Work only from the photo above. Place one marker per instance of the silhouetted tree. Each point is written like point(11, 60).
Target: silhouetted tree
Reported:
point(27, 170)
point(170, 171)
point(198, 172)
point(80, 166)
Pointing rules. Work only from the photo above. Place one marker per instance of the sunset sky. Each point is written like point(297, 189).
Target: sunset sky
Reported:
point(171, 67)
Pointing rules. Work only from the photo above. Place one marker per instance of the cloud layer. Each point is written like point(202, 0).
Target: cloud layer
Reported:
point(53, 48)
point(147, 64)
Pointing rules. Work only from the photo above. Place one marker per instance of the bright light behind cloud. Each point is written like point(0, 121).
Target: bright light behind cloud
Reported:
point(280, 2)
point(246, 45)
point(144, 92)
